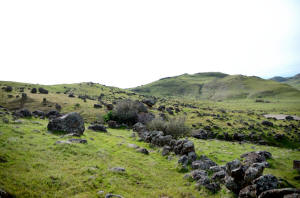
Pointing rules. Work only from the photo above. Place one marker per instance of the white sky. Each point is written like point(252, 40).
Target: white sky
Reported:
point(127, 43)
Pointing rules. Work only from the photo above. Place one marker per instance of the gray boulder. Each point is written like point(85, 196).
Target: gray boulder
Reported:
point(281, 193)
point(69, 123)
point(98, 127)
point(204, 163)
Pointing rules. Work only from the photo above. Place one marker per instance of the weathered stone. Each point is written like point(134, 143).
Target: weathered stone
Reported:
point(143, 150)
point(98, 127)
point(264, 183)
point(69, 123)
point(281, 193)
point(43, 91)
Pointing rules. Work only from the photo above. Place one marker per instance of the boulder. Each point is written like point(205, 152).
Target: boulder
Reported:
point(109, 107)
point(281, 193)
point(43, 91)
point(25, 113)
point(8, 88)
point(69, 123)
point(139, 127)
point(143, 150)
point(264, 183)
point(97, 106)
point(198, 174)
point(203, 164)
point(267, 123)
point(112, 196)
point(149, 102)
point(200, 134)
point(53, 114)
point(33, 90)
point(166, 150)
point(112, 124)
point(4, 194)
point(97, 127)
point(256, 157)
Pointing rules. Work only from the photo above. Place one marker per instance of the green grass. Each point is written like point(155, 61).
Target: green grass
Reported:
point(217, 86)
point(36, 167)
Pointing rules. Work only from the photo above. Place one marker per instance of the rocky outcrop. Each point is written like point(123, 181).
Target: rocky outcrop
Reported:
point(69, 123)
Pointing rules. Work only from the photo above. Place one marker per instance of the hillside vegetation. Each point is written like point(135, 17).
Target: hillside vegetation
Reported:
point(217, 86)
point(293, 81)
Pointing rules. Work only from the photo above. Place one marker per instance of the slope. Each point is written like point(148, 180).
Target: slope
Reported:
point(217, 86)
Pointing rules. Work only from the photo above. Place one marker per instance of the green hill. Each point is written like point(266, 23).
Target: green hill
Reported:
point(217, 86)
point(293, 81)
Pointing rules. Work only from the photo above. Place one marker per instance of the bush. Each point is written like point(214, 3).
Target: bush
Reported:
point(175, 127)
point(107, 116)
point(126, 111)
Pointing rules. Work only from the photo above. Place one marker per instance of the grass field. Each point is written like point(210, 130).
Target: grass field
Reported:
point(32, 165)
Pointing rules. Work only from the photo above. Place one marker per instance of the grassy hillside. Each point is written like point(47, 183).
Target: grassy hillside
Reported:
point(293, 81)
point(32, 165)
point(217, 86)
point(230, 116)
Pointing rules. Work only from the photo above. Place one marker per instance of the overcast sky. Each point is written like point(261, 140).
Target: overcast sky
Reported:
point(127, 43)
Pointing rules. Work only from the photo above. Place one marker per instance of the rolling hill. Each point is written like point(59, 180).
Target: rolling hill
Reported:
point(293, 81)
point(217, 86)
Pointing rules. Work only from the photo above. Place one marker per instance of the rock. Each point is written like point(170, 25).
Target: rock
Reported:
point(69, 123)
point(264, 183)
point(281, 193)
point(232, 185)
point(161, 108)
point(256, 157)
point(253, 172)
point(139, 127)
point(25, 113)
point(183, 160)
point(4, 194)
point(53, 114)
point(149, 102)
point(166, 150)
point(213, 187)
point(169, 110)
point(117, 169)
point(267, 123)
point(112, 196)
point(198, 174)
point(97, 106)
point(33, 90)
point(71, 95)
point(8, 88)
point(133, 146)
point(192, 156)
point(248, 192)
point(38, 113)
point(63, 142)
point(112, 124)
point(218, 176)
point(215, 169)
point(232, 165)
point(204, 163)
point(109, 107)
point(82, 141)
point(289, 117)
point(200, 134)
point(238, 137)
point(57, 107)
point(188, 147)
point(296, 164)
point(43, 91)
point(97, 127)
point(143, 150)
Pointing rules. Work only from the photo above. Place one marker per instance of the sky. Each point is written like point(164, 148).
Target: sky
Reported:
point(134, 42)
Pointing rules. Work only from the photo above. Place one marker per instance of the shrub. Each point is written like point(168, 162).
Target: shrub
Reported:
point(175, 127)
point(126, 111)
point(107, 116)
